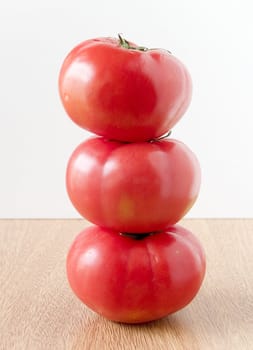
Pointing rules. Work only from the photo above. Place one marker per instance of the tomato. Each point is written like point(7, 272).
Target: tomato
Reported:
point(118, 90)
point(135, 280)
point(133, 187)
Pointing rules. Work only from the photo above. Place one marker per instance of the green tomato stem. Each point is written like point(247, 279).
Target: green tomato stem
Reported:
point(161, 137)
point(125, 44)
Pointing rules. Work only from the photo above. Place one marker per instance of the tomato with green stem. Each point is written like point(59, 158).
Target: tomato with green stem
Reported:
point(123, 91)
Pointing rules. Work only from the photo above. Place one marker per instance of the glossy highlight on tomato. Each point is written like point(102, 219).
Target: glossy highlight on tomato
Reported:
point(133, 187)
point(135, 280)
point(123, 92)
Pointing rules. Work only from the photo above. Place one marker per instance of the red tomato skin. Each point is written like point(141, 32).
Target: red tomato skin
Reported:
point(123, 94)
point(135, 281)
point(133, 187)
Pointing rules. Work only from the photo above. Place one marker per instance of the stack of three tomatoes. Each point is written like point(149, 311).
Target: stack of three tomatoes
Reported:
point(136, 264)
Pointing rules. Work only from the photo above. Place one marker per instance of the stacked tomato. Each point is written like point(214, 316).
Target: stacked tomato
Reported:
point(135, 264)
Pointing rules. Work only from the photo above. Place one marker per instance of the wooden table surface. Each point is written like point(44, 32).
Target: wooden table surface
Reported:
point(39, 311)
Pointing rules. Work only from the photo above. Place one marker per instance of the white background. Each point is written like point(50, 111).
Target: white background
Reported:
point(213, 39)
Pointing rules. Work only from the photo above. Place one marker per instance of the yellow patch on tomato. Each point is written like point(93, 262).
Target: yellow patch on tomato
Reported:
point(137, 316)
point(126, 207)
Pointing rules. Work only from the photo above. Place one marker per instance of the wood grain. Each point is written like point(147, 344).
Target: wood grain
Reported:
point(39, 311)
